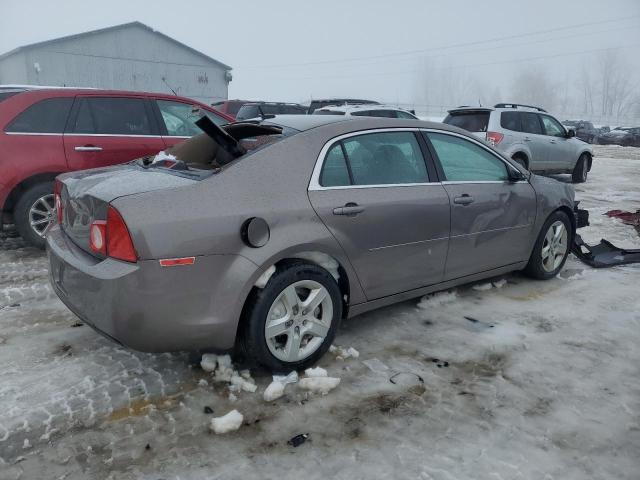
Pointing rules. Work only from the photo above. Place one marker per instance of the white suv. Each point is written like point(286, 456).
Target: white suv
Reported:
point(529, 135)
point(377, 110)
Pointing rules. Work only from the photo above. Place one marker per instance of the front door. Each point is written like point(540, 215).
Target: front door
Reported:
point(560, 147)
point(533, 136)
point(377, 197)
point(106, 131)
point(492, 218)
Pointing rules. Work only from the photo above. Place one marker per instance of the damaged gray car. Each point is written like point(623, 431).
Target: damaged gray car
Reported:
point(263, 236)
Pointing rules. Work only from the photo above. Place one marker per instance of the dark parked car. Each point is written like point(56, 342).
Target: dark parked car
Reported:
point(585, 131)
point(47, 131)
point(625, 136)
point(326, 102)
point(261, 109)
point(267, 235)
point(229, 107)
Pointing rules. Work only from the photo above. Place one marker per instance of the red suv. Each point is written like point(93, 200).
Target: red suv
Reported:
point(48, 131)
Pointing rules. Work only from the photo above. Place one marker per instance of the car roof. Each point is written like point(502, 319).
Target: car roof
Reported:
point(271, 103)
point(303, 122)
point(359, 108)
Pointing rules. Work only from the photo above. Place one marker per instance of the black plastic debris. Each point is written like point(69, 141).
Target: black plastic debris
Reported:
point(298, 440)
point(603, 255)
point(147, 447)
point(77, 324)
point(208, 410)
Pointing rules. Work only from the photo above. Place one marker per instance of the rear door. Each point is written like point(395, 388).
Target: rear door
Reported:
point(108, 130)
point(533, 136)
point(560, 148)
point(177, 119)
point(384, 206)
point(492, 218)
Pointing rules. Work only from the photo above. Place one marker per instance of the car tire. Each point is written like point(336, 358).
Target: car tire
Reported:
point(38, 198)
point(306, 336)
point(581, 169)
point(552, 247)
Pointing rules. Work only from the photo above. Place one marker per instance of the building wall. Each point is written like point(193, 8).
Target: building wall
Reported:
point(130, 58)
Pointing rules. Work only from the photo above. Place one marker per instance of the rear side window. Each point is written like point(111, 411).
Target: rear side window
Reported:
point(328, 112)
point(470, 121)
point(248, 111)
point(530, 123)
point(46, 116)
point(510, 121)
point(401, 114)
point(464, 161)
point(112, 116)
point(387, 158)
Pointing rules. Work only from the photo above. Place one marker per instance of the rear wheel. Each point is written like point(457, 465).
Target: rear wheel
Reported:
point(552, 247)
point(581, 169)
point(292, 321)
point(34, 213)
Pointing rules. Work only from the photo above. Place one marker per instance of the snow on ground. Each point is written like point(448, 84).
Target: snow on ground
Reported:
point(534, 380)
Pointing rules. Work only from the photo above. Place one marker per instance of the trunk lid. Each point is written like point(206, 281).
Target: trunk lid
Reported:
point(86, 195)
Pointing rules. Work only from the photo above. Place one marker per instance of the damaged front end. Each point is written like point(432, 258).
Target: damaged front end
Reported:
point(603, 255)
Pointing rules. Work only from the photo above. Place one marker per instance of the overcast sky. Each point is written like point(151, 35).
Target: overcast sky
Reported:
point(294, 50)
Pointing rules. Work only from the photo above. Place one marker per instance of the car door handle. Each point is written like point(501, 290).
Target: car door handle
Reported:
point(526, 139)
point(88, 148)
point(350, 209)
point(463, 200)
point(552, 141)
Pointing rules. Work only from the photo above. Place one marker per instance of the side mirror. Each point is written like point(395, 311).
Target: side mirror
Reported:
point(516, 175)
point(571, 133)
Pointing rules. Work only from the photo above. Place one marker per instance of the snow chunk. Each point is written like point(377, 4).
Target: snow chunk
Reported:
point(500, 283)
point(343, 353)
point(263, 279)
point(209, 362)
point(227, 423)
point(292, 377)
point(243, 384)
point(202, 382)
point(321, 385)
point(160, 156)
point(274, 391)
point(482, 287)
point(437, 299)
point(315, 372)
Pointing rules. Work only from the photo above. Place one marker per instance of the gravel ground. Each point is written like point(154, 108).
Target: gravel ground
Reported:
point(526, 380)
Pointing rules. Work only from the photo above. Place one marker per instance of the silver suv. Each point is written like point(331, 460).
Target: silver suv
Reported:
point(529, 135)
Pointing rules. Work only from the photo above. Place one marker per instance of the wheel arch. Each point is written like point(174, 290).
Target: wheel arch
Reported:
point(521, 154)
point(21, 187)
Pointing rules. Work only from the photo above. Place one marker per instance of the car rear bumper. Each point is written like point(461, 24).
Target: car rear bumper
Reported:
point(148, 307)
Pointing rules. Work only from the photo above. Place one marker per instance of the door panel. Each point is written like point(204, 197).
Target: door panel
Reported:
point(492, 231)
point(91, 151)
point(398, 242)
point(532, 135)
point(560, 151)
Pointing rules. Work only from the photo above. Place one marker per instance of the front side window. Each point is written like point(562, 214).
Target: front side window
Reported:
point(552, 127)
point(45, 116)
point(180, 118)
point(401, 114)
point(112, 116)
point(464, 161)
point(386, 158)
point(531, 123)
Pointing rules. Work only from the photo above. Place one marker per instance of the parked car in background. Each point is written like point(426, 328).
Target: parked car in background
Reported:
point(528, 135)
point(625, 136)
point(229, 107)
point(585, 131)
point(365, 110)
point(269, 248)
point(324, 102)
point(261, 109)
point(48, 131)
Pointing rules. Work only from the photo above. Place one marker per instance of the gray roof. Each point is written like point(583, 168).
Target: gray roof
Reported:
point(113, 28)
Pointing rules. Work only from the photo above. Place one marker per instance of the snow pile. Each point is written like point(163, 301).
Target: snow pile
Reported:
point(437, 299)
point(222, 369)
point(227, 423)
point(315, 372)
point(482, 287)
point(274, 391)
point(322, 259)
point(500, 283)
point(343, 353)
point(161, 156)
point(322, 385)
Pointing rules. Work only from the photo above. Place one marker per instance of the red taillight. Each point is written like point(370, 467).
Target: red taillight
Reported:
point(174, 262)
point(119, 244)
point(494, 138)
point(98, 236)
point(57, 191)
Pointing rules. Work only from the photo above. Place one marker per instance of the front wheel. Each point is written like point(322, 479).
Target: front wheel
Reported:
point(552, 247)
point(292, 321)
point(581, 169)
point(34, 213)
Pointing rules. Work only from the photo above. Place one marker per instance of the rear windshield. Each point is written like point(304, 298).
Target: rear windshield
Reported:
point(5, 95)
point(470, 121)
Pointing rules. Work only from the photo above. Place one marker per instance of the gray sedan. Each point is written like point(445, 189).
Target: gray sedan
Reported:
point(263, 236)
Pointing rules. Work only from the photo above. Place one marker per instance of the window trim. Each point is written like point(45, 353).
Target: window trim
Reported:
point(314, 182)
point(441, 173)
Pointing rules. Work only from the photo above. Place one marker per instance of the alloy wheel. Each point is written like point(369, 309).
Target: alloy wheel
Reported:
point(298, 321)
point(554, 247)
point(42, 214)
